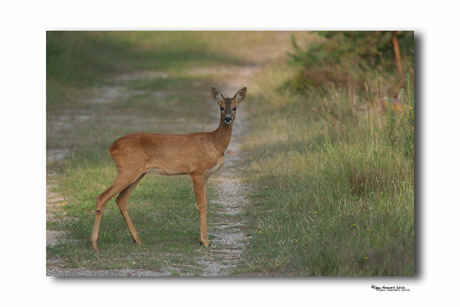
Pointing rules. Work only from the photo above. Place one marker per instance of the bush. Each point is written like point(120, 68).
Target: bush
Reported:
point(345, 58)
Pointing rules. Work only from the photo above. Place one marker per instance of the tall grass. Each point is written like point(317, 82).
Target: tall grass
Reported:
point(401, 122)
point(333, 196)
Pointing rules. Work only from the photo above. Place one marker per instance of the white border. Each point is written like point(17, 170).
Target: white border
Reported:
point(23, 149)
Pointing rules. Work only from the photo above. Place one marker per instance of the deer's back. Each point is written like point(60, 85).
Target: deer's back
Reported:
point(167, 154)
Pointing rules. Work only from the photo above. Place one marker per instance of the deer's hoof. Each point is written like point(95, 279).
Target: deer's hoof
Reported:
point(202, 244)
point(93, 245)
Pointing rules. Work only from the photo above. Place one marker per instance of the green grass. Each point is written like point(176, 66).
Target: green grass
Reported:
point(163, 209)
point(164, 213)
point(75, 60)
point(84, 57)
point(332, 197)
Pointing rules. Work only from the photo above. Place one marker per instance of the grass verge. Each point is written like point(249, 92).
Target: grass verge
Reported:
point(333, 197)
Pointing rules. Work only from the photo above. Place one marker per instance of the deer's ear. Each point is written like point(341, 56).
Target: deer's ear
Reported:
point(240, 95)
point(216, 94)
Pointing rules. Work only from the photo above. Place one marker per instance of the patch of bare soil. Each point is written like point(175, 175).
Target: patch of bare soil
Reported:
point(53, 212)
point(82, 272)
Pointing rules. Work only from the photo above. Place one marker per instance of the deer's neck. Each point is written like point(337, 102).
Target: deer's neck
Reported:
point(222, 135)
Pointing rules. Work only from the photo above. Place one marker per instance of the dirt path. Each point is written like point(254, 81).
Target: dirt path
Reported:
point(228, 243)
point(227, 238)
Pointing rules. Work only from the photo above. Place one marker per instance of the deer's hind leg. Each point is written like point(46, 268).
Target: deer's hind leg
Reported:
point(122, 202)
point(122, 182)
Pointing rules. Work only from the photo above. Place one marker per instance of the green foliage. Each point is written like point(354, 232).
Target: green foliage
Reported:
point(368, 48)
point(345, 58)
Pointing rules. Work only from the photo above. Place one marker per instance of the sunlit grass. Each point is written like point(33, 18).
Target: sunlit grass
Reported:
point(332, 197)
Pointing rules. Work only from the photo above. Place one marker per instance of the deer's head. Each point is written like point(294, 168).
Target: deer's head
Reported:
point(228, 105)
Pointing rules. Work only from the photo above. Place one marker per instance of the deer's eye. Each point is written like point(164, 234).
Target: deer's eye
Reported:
point(221, 108)
point(234, 109)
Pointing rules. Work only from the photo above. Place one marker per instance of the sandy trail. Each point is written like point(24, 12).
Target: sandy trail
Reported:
point(228, 243)
point(227, 238)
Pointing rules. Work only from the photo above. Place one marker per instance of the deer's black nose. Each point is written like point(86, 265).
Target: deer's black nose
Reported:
point(228, 119)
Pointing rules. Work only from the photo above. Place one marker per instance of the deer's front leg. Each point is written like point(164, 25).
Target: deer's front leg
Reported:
point(199, 185)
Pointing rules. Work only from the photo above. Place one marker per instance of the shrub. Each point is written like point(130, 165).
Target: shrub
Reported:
point(344, 58)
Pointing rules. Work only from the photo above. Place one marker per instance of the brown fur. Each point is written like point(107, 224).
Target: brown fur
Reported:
point(196, 154)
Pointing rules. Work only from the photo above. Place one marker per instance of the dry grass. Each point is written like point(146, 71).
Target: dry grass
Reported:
point(333, 197)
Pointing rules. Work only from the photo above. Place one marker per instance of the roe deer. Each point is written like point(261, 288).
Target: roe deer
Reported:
point(196, 154)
